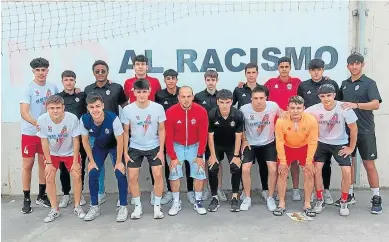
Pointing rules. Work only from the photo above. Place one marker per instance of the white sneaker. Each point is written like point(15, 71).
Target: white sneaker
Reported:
point(271, 204)
point(265, 194)
point(102, 198)
point(206, 195)
point(327, 197)
point(313, 197)
point(242, 196)
point(94, 212)
point(296, 196)
point(158, 214)
point(222, 196)
point(176, 207)
point(152, 198)
point(79, 212)
point(167, 198)
point(199, 208)
point(246, 204)
point(53, 214)
point(118, 203)
point(191, 197)
point(319, 206)
point(65, 201)
point(137, 212)
point(82, 200)
point(344, 211)
point(122, 214)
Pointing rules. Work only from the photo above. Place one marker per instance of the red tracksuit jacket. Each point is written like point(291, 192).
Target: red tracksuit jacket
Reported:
point(186, 127)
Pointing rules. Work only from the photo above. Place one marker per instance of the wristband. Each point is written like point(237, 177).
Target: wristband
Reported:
point(357, 105)
point(237, 156)
point(199, 156)
point(47, 163)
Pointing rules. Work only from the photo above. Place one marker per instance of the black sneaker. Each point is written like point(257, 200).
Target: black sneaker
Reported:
point(234, 205)
point(350, 200)
point(43, 200)
point(214, 205)
point(376, 207)
point(26, 206)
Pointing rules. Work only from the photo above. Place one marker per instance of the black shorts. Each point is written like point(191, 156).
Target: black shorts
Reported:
point(138, 155)
point(325, 151)
point(367, 147)
point(207, 153)
point(260, 153)
point(220, 151)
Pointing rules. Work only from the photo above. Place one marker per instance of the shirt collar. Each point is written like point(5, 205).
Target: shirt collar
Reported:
point(280, 81)
point(319, 82)
point(230, 115)
point(65, 94)
point(209, 94)
point(362, 78)
point(107, 85)
point(247, 87)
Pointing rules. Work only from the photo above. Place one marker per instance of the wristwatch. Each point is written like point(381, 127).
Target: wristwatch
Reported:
point(199, 156)
point(237, 156)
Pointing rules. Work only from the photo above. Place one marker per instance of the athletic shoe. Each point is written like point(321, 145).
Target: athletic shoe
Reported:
point(152, 198)
point(242, 196)
point(199, 208)
point(176, 207)
point(82, 200)
point(65, 201)
point(167, 198)
point(222, 196)
point(271, 204)
point(376, 205)
point(265, 194)
point(43, 200)
point(26, 206)
point(53, 214)
point(118, 203)
point(350, 200)
point(94, 212)
point(191, 197)
point(296, 196)
point(327, 197)
point(214, 205)
point(344, 211)
point(313, 197)
point(234, 205)
point(122, 214)
point(319, 206)
point(137, 212)
point(158, 214)
point(206, 195)
point(102, 198)
point(79, 212)
point(246, 204)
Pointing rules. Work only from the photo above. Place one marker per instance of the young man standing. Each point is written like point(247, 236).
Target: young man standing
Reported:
point(32, 105)
point(102, 134)
point(281, 88)
point(333, 142)
point(145, 120)
point(224, 136)
point(186, 138)
point(296, 139)
point(75, 104)
point(242, 93)
point(59, 132)
point(113, 96)
point(309, 91)
point(360, 93)
point(258, 144)
point(207, 99)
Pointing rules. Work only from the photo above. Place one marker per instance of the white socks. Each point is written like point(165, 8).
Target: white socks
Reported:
point(198, 196)
point(376, 191)
point(351, 190)
point(176, 196)
point(157, 201)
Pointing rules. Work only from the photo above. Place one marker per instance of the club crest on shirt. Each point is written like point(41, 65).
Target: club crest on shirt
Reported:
point(38, 128)
point(50, 129)
point(77, 99)
point(321, 116)
point(232, 123)
point(108, 92)
point(137, 118)
point(289, 86)
point(107, 131)
point(275, 86)
point(193, 121)
point(37, 92)
point(356, 87)
point(251, 116)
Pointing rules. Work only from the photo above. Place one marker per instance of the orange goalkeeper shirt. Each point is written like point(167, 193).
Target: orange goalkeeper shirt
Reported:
point(296, 135)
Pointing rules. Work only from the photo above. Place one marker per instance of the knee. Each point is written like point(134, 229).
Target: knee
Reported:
point(157, 173)
point(318, 170)
point(119, 175)
point(50, 178)
point(307, 173)
point(94, 174)
point(133, 177)
point(272, 169)
point(75, 175)
point(28, 164)
point(246, 169)
point(369, 166)
point(214, 170)
point(234, 169)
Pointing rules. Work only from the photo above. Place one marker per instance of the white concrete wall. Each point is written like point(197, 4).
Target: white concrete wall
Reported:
point(377, 52)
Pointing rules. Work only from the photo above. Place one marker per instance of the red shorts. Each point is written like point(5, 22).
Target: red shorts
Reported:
point(296, 154)
point(31, 145)
point(67, 160)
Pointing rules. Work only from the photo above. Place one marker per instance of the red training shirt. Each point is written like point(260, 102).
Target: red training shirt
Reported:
point(128, 88)
point(186, 127)
point(280, 91)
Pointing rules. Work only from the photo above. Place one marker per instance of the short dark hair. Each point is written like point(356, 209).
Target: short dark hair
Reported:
point(39, 63)
point(100, 62)
point(140, 58)
point(211, 74)
point(316, 64)
point(170, 72)
point(93, 97)
point(296, 100)
point(261, 88)
point(250, 65)
point(68, 73)
point(326, 88)
point(141, 84)
point(224, 94)
point(354, 58)
point(284, 59)
point(55, 99)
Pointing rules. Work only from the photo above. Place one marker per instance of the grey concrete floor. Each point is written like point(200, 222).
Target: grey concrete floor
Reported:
point(257, 224)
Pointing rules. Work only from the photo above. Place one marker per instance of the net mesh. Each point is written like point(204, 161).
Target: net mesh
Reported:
point(32, 25)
